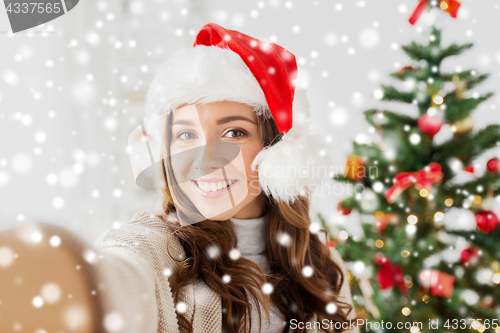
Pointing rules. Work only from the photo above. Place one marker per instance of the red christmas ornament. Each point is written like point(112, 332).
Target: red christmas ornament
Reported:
point(437, 283)
point(430, 125)
point(469, 168)
point(493, 165)
point(389, 275)
point(331, 243)
point(469, 256)
point(486, 221)
point(343, 211)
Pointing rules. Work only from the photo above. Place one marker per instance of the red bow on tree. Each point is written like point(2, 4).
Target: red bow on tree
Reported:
point(449, 6)
point(389, 275)
point(424, 178)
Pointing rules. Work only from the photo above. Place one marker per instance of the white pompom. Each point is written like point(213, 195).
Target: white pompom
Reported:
point(295, 165)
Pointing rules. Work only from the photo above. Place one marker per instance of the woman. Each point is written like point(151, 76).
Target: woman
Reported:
point(233, 125)
point(232, 250)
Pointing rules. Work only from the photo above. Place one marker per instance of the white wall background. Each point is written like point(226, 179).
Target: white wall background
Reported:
point(70, 91)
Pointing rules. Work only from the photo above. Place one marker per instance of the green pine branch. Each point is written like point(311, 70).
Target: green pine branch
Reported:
point(488, 242)
point(417, 74)
point(389, 120)
point(454, 50)
point(419, 52)
point(368, 150)
point(416, 51)
point(485, 181)
point(339, 177)
point(472, 80)
point(459, 109)
point(476, 80)
point(470, 146)
point(393, 95)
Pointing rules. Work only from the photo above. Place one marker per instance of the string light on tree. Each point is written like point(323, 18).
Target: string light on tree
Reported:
point(343, 235)
point(412, 219)
point(438, 216)
point(406, 311)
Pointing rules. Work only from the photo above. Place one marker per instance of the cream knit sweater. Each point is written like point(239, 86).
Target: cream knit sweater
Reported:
point(134, 270)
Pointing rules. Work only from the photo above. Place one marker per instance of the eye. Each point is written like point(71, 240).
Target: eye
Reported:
point(235, 133)
point(186, 136)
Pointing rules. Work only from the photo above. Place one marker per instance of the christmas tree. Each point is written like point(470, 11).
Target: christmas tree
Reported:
point(430, 250)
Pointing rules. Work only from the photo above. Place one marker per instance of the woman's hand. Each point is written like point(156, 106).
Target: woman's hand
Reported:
point(47, 281)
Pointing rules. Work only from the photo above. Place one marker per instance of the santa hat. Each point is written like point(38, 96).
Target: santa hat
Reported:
point(227, 65)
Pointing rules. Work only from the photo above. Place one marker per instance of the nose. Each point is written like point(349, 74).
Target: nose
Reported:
point(214, 155)
point(203, 159)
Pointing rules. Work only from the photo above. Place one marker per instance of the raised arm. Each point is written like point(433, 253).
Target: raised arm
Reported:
point(52, 280)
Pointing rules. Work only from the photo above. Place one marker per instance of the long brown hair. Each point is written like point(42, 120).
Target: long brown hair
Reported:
point(296, 296)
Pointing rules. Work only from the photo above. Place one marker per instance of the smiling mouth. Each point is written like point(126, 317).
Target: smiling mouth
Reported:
point(214, 186)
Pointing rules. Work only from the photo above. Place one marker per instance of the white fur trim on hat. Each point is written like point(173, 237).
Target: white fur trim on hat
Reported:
point(203, 74)
point(206, 74)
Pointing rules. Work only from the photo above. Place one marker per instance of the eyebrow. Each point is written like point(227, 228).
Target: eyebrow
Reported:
point(183, 122)
point(224, 120)
point(220, 121)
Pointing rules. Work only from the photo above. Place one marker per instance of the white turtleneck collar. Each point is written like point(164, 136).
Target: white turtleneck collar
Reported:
point(251, 235)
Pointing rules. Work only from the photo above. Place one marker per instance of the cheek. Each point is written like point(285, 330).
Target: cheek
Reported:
point(248, 157)
point(181, 164)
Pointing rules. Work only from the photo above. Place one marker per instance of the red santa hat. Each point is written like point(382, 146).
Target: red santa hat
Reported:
point(227, 65)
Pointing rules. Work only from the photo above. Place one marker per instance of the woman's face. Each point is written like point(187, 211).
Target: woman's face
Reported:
point(212, 149)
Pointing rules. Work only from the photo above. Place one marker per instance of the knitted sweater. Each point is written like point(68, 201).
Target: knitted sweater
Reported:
point(135, 268)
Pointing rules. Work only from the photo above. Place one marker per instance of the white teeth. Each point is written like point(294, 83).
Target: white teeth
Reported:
point(212, 187)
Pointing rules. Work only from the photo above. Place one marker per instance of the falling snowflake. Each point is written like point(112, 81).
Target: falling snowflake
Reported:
point(167, 272)
point(267, 288)
point(234, 254)
point(181, 307)
point(307, 271)
point(51, 292)
point(284, 238)
point(113, 322)
point(331, 308)
point(55, 241)
point(213, 251)
point(6, 256)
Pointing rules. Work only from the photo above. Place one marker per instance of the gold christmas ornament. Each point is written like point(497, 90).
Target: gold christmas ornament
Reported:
point(463, 126)
point(355, 168)
point(460, 87)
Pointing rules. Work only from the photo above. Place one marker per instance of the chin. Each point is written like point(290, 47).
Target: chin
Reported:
point(216, 214)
